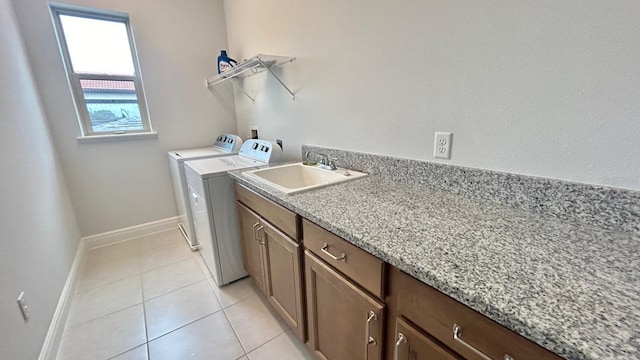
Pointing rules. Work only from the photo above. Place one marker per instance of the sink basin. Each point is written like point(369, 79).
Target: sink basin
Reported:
point(293, 178)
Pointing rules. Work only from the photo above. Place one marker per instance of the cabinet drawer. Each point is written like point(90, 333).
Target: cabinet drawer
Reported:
point(411, 344)
point(364, 268)
point(282, 218)
point(437, 314)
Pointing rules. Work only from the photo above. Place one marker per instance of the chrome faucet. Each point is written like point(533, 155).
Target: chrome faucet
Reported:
point(325, 162)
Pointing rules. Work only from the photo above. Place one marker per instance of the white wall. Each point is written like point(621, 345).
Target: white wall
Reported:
point(546, 88)
point(39, 231)
point(119, 184)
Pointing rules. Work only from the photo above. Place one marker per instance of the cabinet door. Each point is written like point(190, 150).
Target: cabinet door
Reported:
point(284, 277)
point(344, 321)
point(252, 245)
point(412, 344)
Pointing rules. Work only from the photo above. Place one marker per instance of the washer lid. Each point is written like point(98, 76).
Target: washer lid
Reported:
point(220, 165)
point(198, 153)
point(226, 144)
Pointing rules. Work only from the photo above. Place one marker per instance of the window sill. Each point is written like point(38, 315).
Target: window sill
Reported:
point(117, 137)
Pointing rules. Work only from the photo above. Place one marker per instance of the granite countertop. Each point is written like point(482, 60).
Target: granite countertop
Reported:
point(572, 288)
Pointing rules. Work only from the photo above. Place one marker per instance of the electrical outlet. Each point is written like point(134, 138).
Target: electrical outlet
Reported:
point(24, 308)
point(442, 146)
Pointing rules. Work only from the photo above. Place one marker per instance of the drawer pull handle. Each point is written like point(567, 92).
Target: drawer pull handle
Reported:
point(261, 238)
point(401, 340)
point(325, 249)
point(457, 333)
point(370, 340)
point(256, 233)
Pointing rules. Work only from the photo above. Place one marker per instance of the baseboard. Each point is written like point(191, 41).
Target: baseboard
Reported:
point(115, 236)
point(56, 328)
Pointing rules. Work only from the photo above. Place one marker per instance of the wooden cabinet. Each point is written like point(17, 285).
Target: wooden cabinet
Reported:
point(353, 306)
point(273, 258)
point(345, 323)
point(456, 326)
point(344, 287)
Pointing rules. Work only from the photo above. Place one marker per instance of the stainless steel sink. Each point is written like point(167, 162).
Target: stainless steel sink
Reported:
point(293, 178)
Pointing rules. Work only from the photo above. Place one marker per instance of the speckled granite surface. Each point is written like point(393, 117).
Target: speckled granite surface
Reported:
point(607, 208)
point(570, 286)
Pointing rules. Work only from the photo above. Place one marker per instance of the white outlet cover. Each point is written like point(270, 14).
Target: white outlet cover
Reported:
point(442, 145)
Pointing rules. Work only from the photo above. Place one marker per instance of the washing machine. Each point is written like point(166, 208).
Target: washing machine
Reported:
point(225, 145)
point(213, 205)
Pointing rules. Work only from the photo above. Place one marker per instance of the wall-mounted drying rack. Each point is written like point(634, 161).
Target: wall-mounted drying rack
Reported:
point(252, 66)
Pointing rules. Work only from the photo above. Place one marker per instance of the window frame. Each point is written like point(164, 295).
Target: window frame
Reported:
point(73, 78)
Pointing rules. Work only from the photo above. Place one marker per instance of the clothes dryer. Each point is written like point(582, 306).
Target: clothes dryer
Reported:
point(225, 145)
point(212, 201)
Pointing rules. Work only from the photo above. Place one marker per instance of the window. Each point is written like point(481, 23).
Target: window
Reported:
point(100, 59)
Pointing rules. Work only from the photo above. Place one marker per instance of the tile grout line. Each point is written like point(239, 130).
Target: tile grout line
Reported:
point(169, 292)
point(166, 264)
point(128, 307)
point(135, 243)
point(182, 326)
point(144, 307)
point(235, 331)
point(146, 329)
point(93, 287)
point(223, 308)
point(103, 316)
point(185, 325)
point(144, 317)
point(172, 291)
point(105, 284)
point(268, 341)
point(137, 250)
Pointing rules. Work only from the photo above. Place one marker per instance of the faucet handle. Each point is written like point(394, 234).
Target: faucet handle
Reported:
point(324, 159)
point(332, 163)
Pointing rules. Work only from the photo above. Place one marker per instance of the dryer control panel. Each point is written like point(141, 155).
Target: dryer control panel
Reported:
point(261, 150)
point(228, 142)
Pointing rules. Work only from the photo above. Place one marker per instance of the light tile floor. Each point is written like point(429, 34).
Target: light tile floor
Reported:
point(153, 298)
